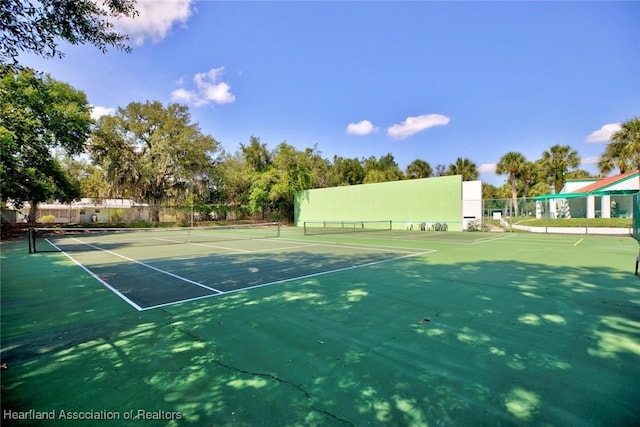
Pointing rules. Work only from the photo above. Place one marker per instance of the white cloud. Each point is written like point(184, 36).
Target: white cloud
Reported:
point(593, 160)
point(97, 111)
point(156, 19)
point(487, 168)
point(413, 125)
point(364, 127)
point(208, 89)
point(604, 133)
point(183, 96)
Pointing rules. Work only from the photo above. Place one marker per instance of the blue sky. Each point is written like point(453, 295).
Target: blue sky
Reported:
point(428, 80)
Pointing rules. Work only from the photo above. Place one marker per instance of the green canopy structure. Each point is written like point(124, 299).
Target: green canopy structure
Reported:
point(582, 194)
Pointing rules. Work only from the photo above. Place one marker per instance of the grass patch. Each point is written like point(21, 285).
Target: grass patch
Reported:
point(576, 222)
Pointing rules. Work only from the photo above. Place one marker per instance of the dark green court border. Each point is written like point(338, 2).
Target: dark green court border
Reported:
point(529, 330)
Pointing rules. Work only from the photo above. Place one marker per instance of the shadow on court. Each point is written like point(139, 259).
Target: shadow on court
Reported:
point(427, 340)
point(159, 281)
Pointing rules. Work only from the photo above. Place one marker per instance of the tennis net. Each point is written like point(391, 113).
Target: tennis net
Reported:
point(330, 227)
point(82, 239)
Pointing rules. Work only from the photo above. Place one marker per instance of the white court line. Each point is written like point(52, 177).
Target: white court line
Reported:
point(218, 247)
point(166, 304)
point(490, 239)
point(578, 242)
point(284, 248)
point(167, 240)
point(98, 278)
point(248, 252)
point(237, 239)
point(428, 240)
point(371, 248)
point(175, 276)
point(542, 239)
point(316, 244)
point(399, 249)
point(306, 276)
point(197, 244)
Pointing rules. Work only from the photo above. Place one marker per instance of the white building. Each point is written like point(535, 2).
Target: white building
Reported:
point(87, 210)
point(609, 197)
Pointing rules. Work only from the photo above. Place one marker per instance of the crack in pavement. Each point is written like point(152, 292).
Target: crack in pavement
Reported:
point(306, 394)
point(289, 383)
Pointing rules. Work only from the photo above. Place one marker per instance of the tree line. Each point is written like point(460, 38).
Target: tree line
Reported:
point(51, 149)
point(154, 153)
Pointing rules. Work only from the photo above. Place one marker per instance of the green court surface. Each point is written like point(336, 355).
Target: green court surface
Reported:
point(398, 328)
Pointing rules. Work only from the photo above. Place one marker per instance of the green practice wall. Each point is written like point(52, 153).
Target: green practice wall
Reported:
point(428, 200)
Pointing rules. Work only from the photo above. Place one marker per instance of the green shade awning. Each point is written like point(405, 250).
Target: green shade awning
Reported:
point(577, 195)
point(561, 196)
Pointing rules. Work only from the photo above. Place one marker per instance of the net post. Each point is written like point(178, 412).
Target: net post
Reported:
point(29, 237)
point(33, 240)
point(278, 230)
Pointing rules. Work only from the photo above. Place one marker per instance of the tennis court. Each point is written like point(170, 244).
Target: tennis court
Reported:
point(150, 268)
point(388, 327)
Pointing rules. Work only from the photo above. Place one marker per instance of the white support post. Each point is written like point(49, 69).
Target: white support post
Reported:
point(605, 206)
point(591, 207)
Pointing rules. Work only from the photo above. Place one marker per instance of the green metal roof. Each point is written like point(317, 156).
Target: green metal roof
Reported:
point(585, 194)
point(560, 196)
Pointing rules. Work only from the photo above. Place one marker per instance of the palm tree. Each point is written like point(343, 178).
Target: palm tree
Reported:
point(580, 174)
point(614, 157)
point(557, 162)
point(627, 142)
point(511, 164)
point(528, 173)
point(464, 167)
point(419, 169)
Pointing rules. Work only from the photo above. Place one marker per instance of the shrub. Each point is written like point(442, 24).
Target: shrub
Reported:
point(48, 218)
point(475, 225)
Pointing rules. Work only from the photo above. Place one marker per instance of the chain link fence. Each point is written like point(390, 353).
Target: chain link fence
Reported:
point(594, 210)
point(607, 210)
point(126, 212)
